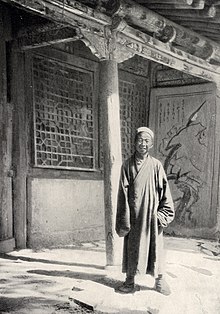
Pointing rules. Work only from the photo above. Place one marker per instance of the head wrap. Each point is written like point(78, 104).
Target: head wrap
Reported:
point(146, 130)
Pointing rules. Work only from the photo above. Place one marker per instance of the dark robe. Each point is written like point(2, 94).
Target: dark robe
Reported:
point(144, 208)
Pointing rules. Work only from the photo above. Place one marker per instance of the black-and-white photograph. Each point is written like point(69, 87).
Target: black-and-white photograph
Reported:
point(110, 156)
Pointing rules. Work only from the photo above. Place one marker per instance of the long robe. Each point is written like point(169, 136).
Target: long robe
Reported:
point(144, 208)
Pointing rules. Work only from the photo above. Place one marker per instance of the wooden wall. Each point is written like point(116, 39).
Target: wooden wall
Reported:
point(6, 173)
point(184, 117)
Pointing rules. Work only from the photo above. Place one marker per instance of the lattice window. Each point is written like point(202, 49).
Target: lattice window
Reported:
point(63, 115)
point(132, 113)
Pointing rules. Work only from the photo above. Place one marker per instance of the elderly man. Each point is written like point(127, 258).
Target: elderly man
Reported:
point(144, 208)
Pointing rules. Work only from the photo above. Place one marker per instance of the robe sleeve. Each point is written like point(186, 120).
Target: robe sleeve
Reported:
point(165, 212)
point(123, 210)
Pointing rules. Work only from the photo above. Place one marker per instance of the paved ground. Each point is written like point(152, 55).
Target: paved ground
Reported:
point(41, 282)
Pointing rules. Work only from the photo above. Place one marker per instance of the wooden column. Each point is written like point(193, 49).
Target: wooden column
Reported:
point(217, 161)
point(19, 148)
point(110, 111)
point(6, 230)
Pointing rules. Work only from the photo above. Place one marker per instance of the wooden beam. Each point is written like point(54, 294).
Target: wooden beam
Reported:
point(169, 6)
point(210, 11)
point(179, 19)
point(207, 12)
point(198, 25)
point(186, 2)
point(198, 4)
point(40, 36)
point(208, 30)
point(139, 16)
point(96, 31)
point(61, 11)
point(85, 20)
point(6, 22)
point(93, 22)
point(150, 48)
point(209, 33)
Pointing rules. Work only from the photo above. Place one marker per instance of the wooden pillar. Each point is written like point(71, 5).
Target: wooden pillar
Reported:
point(217, 160)
point(6, 229)
point(110, 111)
point(19, 148)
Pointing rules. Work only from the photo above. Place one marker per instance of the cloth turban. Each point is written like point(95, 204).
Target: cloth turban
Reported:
point(146, 130)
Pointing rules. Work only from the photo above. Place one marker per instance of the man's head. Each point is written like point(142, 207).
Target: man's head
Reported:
point(143, 140)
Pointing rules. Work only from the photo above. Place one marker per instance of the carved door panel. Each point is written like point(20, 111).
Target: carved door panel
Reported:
point(183, 119)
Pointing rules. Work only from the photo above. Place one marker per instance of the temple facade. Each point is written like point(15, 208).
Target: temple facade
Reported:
point(76, 80)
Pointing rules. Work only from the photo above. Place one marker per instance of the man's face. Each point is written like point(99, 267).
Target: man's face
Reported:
point(143, 143)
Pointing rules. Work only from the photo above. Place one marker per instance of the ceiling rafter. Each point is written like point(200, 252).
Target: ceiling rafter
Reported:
point(188, 4)
point(180, 19)
point(165, 30)
point(207, 12)
point(173, 41)
point(203, 11)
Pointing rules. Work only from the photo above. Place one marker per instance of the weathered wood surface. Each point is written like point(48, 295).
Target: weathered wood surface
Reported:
point(182, 2)
point(207, 13)
point(170, 5)
point(19, 148)
point(61, 11)
point(140, 16)
point(151, 48)
point(6, 217)
point(198, 4)
point(99, 34)
point(110, 111)
point(45, 35)
point(185, 121)
point(216, 163)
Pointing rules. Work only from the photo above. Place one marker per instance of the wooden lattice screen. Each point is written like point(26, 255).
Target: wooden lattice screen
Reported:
point(64, 125)
point(132, 110)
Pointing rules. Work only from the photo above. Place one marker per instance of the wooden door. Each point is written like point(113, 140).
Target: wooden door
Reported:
point(183, 119)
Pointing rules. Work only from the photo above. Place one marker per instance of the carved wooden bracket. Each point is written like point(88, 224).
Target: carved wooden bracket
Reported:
point(97, 45)
point(105, 47)
point(115, 37)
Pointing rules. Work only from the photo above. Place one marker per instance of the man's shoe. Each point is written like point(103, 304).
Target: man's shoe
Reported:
point(162, 286)
point(127, 288)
